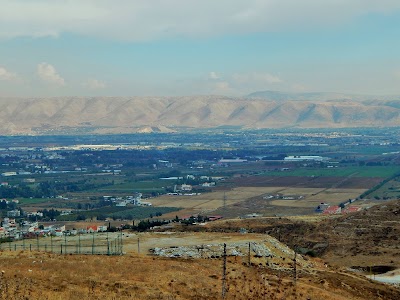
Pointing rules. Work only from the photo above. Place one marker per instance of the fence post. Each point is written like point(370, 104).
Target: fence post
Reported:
point(224, 273)
point(295, 269)
point(79, 241)
point(121, 252)
point(93, 244)
point(249, 255)
point(108, 245)
point(65, 239)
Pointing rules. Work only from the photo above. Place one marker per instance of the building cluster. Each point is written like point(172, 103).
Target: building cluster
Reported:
point(14, 230)
point(136, 200)
point(295, 158)
point(327, 209)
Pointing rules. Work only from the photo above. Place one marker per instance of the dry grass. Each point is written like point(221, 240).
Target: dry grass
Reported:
point(46, 276)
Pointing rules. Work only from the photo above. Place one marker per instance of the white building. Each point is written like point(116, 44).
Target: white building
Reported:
point(13, 213)
point(305, 158)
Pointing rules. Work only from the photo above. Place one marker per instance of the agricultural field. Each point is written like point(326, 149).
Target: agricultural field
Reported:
point(349, 182)
point(390, 190)
point(359, 171)
point(240, 200)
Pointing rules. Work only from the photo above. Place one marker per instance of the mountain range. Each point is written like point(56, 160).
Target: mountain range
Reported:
point(107, 115)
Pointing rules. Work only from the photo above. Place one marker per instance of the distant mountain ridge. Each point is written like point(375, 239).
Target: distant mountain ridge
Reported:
point(68, 115)
point(316, 96)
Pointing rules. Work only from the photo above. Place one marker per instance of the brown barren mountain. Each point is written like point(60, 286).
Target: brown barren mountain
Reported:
point(165, 114)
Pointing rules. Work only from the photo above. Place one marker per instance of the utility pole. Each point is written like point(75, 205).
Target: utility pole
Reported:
point(65, 242)
point(138, 246)
point(108, 245)
point(295, 268)
point(79, 243)
point(121, 252)
point(224, 274)
point(224, 203)
point(249, 255)
point(93, 244)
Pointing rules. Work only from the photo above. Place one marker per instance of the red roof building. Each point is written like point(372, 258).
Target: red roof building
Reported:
point(351, 209)
point(332, 210)
point(214, 218)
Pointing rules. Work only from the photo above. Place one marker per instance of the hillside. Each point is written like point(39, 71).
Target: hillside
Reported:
point(366, 238)
point(166, 114)
point(39, 275)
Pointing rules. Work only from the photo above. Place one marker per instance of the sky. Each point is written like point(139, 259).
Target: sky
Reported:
point(198, 47)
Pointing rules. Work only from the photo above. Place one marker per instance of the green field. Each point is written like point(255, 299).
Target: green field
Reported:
point(27, 201)
point(362, 171)
point(138, 186)
point(137, 212)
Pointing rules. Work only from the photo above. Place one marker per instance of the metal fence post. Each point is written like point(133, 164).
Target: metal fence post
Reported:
point(93, 244)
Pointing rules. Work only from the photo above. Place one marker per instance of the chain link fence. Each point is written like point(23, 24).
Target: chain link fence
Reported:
point(91, 244)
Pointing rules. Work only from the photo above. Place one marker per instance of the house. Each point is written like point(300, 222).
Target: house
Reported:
point(13, 213)
point(59, 227)
point(214, 218)
point(351, 209)
point(332, 210)
point(305, 158)
point(322, 207)
point(102, 228)
point(3, 232)
point(186, 187)
point(92, 229)
point(8, 223)
point(229, 160)
point(56, 229)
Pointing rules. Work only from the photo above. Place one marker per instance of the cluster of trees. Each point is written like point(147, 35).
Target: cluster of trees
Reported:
point(145, 225)
point(47, 189)
point(192, 220)
point(7, 206)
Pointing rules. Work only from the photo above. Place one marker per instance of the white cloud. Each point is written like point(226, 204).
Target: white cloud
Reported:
point(138, 20)
point(7, 75)
point(297, 87)
point(48, 73)
point(240, 83)
point(94, 84)
point(255, 78)
point(213, 76)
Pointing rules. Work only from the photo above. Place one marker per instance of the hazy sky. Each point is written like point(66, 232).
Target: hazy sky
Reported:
point(190, 47)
